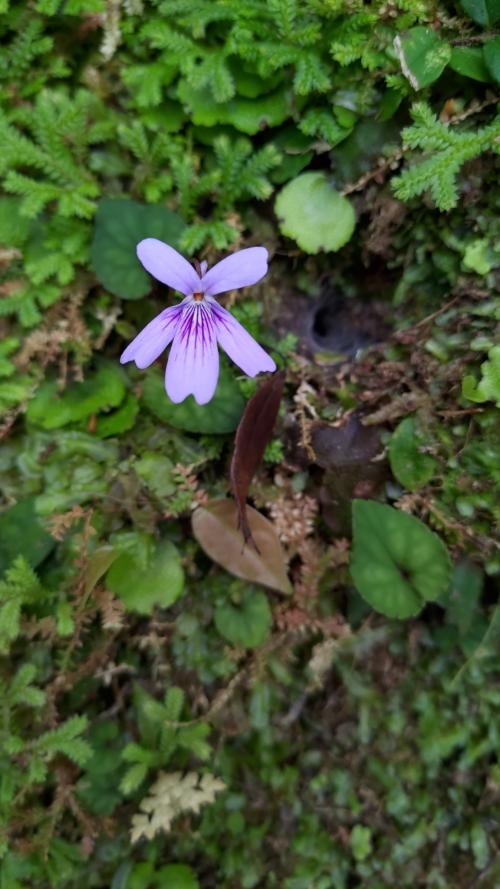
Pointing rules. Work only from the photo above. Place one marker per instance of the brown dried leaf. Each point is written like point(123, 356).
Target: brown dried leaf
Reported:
point(215, 526)
point(252, 435)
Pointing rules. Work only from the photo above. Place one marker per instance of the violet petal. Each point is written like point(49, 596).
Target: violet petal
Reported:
point(242, 268)
point(153, 339)
point(238, 344)
point(168, 266)
point(193, 363)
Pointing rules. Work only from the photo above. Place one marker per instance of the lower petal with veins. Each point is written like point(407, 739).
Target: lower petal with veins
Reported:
point(193, 363)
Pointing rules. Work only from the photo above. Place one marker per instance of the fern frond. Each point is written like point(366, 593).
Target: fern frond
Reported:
point(445, 151)
point(170, 795)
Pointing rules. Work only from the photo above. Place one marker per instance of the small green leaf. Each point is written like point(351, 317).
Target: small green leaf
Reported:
point(155, 471)
point(491, 53)
point(120, 420)
point(361, 842)
point(177, 876)
point(22, 534)
point(52, 409)
point(469, 61)
point(140, 587)
point(119, 226)
point(484, 12)
point(410, 465)
point(479, 256)
point(220, 416)
point(488, 388)
point(397, 563)
point(245, 623)
point(315, 215)
point(423, 56)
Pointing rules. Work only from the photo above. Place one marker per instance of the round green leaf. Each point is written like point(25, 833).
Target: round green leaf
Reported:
point(397, 563)
point(409, 464)
point(119, 226)
point(52, 409)
point(315, 215)
point(247, 622)
point(423, 56)
point(220, 416)
point(141, 587)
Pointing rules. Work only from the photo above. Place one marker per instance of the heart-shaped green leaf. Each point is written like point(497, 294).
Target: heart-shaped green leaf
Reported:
point(245, 623)
point(119, 226)
point(215, 526)
point(220, 416)
point(315, 215)
point(397, 563)
point(141, 587)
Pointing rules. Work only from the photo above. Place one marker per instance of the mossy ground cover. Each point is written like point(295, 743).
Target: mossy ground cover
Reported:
point(168, 719)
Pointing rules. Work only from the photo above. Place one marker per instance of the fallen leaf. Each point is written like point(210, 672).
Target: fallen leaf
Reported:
point(215, 526)
point(252, 435)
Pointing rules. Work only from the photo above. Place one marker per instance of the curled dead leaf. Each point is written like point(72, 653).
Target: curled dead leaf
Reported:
point(254, 431)
point(215, 526)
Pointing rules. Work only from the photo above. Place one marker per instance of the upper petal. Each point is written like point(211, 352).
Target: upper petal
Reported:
point(150, 342)
point(193, 363)
point(238, 344)
point(242, 268)
point(168, 266)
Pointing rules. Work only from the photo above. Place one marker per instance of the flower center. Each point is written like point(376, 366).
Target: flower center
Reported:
point(198, 297)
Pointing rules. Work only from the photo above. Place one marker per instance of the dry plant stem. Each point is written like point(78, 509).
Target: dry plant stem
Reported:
point(251, 668)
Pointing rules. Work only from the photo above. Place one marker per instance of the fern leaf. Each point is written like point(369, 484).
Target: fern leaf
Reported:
point(170, 795)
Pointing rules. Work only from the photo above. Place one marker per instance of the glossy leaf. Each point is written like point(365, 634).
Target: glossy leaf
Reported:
point(247, 622)
point(140, 587)
point(397, 563)
point(215, 526)
point(316, 216)
point(491, 53)
point(469, 61)
point(220, 416)
point(410, 465)
point(484, 12)
point(119, 226)
point(253, 434)
point(423, 56)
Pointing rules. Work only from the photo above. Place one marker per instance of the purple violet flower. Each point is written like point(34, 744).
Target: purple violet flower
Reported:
point(198, 323)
